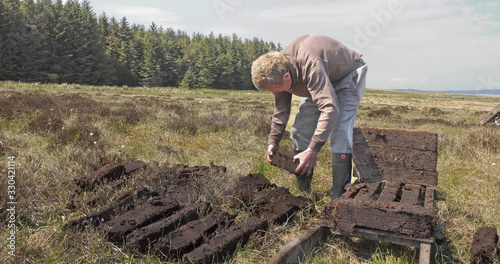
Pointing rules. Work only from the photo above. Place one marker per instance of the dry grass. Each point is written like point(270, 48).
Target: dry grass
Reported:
point(61, 133)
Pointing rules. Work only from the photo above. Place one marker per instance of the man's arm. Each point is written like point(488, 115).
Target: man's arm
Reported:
point(283, 106)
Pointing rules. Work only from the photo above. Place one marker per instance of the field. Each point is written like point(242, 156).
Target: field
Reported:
point(59, 133)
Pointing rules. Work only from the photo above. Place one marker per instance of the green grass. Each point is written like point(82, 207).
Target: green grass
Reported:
point(59, 133)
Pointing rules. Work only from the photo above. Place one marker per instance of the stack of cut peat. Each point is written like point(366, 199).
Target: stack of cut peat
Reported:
point(173, 223)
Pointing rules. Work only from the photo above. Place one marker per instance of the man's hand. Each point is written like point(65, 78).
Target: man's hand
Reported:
point(271, 149)
point(307, 160)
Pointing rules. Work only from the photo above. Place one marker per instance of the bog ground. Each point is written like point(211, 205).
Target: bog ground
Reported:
point(59, 135)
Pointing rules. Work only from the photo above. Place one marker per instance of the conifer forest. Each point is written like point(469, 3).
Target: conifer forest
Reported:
point(66, 42)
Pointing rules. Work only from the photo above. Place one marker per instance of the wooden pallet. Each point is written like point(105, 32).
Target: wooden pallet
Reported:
point(492, 117)
point(366, 205)
point(398, 168)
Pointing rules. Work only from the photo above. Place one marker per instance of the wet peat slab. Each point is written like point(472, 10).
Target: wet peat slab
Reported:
point(224, 244)
point(141, 239)
point(149, 212)
point(125, 203)
point(173, 225)
point(190, 236)
point(283, 159)
point(107, 173)
point(484, 247)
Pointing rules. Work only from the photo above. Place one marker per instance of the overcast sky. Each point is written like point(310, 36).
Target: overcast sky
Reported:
point(407, 44)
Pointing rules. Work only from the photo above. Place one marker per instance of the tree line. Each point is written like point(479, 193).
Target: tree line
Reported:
point(66, 42)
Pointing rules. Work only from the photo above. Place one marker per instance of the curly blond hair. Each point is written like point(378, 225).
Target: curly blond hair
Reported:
point(269, 69)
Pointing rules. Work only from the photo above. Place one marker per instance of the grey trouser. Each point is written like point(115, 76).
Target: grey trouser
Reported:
point(349, 93)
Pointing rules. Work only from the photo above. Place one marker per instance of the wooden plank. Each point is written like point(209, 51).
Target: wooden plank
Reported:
point(410, 194)
point(491, 116)
point(362, 157)
point(300, 247)
point(383, 236)
point(425, 253)
point(389, 192)
point(376, 235)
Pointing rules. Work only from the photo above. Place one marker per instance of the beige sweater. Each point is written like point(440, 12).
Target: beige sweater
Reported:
point(316, 64)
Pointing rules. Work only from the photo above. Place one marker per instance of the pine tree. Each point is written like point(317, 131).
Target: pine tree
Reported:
point(82, 45)
point(17, 44)
point(152, 73)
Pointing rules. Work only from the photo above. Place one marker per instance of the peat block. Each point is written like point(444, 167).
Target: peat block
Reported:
point(145, 214)
point(184, 171)
point(386, 213)
point(283, 159)
point(277, 205)
point(188, 237)
point(277, 212)
point(107, 172)
point(254, 182)
point(484, 246)
point(141, 239)
point(125, 202)
point(134, 166)
point(224, 244)
point(281, 193)
point(248, 186)
point(182, 190)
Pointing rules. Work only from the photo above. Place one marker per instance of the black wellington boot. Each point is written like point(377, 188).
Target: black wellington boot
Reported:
point(341, 171)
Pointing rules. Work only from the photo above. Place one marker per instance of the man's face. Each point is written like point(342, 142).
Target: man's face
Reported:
point(285, 86)
point(276, 88)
